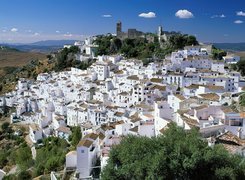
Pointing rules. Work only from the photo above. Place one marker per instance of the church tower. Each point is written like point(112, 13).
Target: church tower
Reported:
point(161, 35)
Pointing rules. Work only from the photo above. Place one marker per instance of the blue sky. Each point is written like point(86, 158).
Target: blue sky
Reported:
point(25, 21)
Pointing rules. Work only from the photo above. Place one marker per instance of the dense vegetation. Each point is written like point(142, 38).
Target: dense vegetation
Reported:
point(218, 53)
point(142, 48)
point(76, 136)
point(14, 152)
point(175, 155)
point(242, 100)
point(240, 66)
point(50, 155)
point(66, 59)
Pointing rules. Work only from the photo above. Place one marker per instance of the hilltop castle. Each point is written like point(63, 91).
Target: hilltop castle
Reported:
point(131, 33)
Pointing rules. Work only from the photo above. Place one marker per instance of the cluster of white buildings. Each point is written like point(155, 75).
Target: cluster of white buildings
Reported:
point(87, 48)
point(117, 97)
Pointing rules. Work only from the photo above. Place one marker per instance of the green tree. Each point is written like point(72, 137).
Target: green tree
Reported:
point(104, 43)
point(74, 49)
point(51, 156)
point(191, 40)
point(3, 158)
point(5, 126)
point(218, 53)
point(76, 135)
point(177, 41)
point(24, 175)
point(176, 154)
point(242, 100)
point(24, 157)
point(241, 66)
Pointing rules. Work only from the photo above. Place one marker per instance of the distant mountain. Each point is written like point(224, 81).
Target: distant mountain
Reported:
point(52, 43)
point(33, 48)
point(231, 46)
point(41, 46)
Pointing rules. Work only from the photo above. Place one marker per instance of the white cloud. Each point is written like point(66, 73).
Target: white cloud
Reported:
point(184, 14)
point(36, 34)
point(57, 31)
point(240, 13)
point(107, 16)
point(68, 35)
point(238, 22)
point(148, 15)
point(4, 30)
point(222, 16)
point(14, 30)
point(218, 16)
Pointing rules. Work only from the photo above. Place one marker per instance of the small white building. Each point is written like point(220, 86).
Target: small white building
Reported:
point(231, 59)
point(71, 160)
point(35, 133)
point(87, 154)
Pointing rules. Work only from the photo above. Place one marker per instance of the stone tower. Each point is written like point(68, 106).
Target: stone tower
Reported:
point(119, 28)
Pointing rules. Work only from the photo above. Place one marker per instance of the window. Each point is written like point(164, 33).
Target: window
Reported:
point(82, 151)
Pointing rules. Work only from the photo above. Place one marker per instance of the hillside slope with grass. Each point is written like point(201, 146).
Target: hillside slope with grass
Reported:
point(15, 64)
point(12, 58)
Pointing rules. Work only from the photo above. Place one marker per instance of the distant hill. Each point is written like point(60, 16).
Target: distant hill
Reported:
point(40, 46)
point(53, 43)
point(231, 46)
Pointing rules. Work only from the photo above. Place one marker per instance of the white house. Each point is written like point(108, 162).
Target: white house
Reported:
point(163, 114)
point(87, 154)
point(71, 160)
point(231, 59)
point(176, 102)
point(35, 133)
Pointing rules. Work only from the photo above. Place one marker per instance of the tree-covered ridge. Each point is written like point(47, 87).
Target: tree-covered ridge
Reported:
point(141, 47)
point(176, 154)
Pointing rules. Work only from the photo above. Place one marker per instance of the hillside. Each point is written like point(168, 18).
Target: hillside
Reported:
point(15, 64)
point(15, 58)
